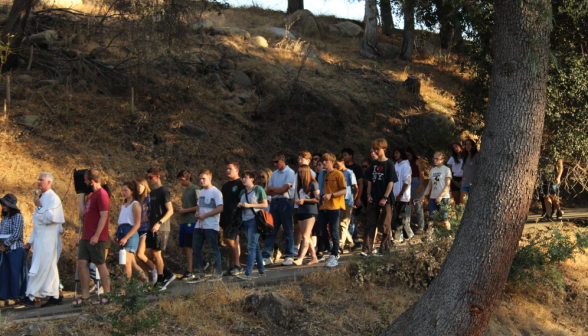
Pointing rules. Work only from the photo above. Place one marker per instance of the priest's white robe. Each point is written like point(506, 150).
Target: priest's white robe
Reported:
point(43, 274)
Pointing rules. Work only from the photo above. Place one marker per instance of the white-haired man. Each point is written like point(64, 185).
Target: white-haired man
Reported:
point(47, 221)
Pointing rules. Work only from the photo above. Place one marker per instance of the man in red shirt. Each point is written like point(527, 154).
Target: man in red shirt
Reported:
point(94, 237)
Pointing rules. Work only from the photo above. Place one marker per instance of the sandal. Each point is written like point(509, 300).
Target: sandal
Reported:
point(80, 303)
point(104, 301)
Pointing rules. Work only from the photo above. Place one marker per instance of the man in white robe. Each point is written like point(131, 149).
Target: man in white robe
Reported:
point(47, 222)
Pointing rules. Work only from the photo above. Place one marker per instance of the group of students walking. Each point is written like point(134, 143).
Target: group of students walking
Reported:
point(316, 207)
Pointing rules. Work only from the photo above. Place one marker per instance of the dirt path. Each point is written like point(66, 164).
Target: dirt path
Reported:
point(275, 275)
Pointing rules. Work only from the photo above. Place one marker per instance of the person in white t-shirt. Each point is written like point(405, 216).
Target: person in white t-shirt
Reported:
point(401, 192)
point(438, 186)
point(210, 206)
point(455, 163)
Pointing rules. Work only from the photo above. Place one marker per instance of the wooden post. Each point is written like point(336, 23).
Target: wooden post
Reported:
point(8, 89)
point(30, 60)
point(132, 100)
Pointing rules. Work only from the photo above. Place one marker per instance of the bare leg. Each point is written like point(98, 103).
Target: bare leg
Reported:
point(189, 256)
point(158, 261)
point(104, 277)
point(462, 195)
point(129, 265)
point(145, 263)
point(84, 277)
point(234, 248)
point(135, 267)
point(456, 197)
point(555, 202)
point(306, 230)
point(297, 235)
point(548, 205)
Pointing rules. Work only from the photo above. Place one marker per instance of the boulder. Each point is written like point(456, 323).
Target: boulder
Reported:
point(247, 97)
point(260, 41)
point(281, 32)
point(193, 131)
point(217, 79)
point(24, 79)
point(231, 31)
point(388, 51)
point(304, 22)
point(346, 28)
point(34, 329)
point(242, 79)
point(237, 100)
point(413, 84)
point(44, 39)
point(203, 26)
point(29, 120)
point(439, 120)
point(273, 307)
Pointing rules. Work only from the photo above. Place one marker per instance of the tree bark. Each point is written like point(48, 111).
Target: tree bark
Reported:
point(369, 48)
point(294, 5)
point(408, 32)
point(387, 19)
point(14, 29)
point(460, 301)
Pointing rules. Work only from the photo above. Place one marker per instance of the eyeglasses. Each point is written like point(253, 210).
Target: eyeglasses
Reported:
point(149, 177)
point(276, 161)
point(315, 159)
point(364, 167)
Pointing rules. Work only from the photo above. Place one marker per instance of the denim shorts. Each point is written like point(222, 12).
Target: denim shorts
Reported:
point(133, 242)
point(433, 206)
point(466, 189)
point(549, 188)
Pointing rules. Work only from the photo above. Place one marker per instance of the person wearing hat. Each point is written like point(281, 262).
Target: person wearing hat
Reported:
point(13, 264)
point(47, 220)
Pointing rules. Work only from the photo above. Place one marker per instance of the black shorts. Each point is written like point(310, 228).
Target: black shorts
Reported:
point(453, 186)
point(229, 232)
point(142, 234)
point(301, 217)
point(156, 241)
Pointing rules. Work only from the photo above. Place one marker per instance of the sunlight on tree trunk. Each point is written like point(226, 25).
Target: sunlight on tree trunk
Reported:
point(369, 48)
point(461, 300)
point(408, 32)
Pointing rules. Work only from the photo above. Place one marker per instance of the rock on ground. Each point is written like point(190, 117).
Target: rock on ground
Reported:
point(193, 131)
point(346, 28)
point(281, 32)
point(440, 120)
point(23, 79)
point(273, 307)
point(34, 329)
point(260, 41)
point(29, 120)
point(44, 39)
point(203, 26)
point(304, 22)
point(242, 79)
point(231, 31)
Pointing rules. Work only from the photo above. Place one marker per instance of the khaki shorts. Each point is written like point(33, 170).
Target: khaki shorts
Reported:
point(92, 253)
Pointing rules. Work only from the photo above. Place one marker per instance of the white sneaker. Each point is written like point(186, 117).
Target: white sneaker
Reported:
point(154, 276)
point(267, 261)
point(288, 262)
point(332, 261)
point(296, 251)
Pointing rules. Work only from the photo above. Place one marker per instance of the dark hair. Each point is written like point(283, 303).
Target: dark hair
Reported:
point(156, 171)
point(185, 174)
point(474, 150)
point(369, 162)
point(409, 150)
point(107, 189)
point(250, 174)
point(340, 158)
point(93, 174)
point(317, 154)
point(11, 212)
point(455, 154)
point(402, 153)
point(235, 164)
point(134, 188)
point(279, 155)
point(348, 151)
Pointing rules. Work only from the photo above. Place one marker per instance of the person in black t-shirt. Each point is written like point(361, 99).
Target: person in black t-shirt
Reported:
point(161, 212)
point(231, 191)
point(358, 171)
point(381, 177)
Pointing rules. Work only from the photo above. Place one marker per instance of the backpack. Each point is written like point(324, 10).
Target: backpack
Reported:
point(263, 220)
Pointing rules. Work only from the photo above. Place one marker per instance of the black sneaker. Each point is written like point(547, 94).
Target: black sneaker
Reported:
point(167, 281)
point(53, 302)
point(546, 219)
point(188, 276)
point(236, 270)
point(543, 215)
point(559, 215)
point(24, 303)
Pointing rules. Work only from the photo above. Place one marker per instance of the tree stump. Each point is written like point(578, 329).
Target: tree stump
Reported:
point(413, 84)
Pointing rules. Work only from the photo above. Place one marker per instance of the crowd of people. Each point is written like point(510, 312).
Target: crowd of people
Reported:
point(316, 207)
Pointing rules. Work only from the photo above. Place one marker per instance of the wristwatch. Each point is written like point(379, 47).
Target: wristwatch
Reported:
point(385, 197)
point(159, 222)
point(332, 195)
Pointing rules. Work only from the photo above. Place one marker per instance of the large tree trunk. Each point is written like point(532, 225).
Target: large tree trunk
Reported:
point(294, 5)
point(408, 32)
point(369, 48)
point(387, 19)
point(460, 301)
point(14, 29)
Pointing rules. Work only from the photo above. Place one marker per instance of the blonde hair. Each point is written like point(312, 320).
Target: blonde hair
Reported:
point(441, 154)
point(267, 173)
point(146, 192)
point(329, 157)
point(305, 155)
point(380, 144)
point(206, 172)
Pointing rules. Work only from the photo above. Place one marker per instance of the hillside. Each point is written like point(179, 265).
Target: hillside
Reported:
point(73, 108)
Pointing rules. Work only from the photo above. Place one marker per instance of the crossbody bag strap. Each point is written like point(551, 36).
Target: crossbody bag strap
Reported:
point(247, 199)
